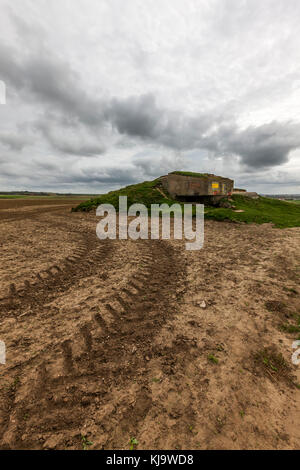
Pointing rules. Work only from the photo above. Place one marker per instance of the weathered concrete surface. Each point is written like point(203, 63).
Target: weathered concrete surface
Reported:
point(239, 191)
point(253, 195)
point(188, 186)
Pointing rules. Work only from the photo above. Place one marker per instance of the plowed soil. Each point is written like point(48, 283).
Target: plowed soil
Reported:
point(110, 340)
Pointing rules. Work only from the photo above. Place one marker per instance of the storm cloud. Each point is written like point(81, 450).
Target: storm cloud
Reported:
point(104, 101)
point(263, 146)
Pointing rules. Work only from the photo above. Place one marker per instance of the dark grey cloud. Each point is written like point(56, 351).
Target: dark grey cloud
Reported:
point(137, 116)
point(266, 146)
point(105, 175)
point(263, 146)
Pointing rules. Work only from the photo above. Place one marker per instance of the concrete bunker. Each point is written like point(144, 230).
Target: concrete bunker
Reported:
point(204, 188)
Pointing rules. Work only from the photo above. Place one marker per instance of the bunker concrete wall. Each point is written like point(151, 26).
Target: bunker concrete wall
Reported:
point(179, 185)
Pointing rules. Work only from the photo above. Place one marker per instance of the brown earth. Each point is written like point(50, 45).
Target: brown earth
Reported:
point(107, 340)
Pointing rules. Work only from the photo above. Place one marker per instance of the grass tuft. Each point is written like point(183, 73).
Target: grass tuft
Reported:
point(213, 359)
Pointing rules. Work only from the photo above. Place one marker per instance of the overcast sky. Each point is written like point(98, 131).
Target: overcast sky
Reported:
point(103, 93)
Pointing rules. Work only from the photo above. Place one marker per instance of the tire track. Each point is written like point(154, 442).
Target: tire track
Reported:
point(30, 214)
point(94, 363)
point(85, 261)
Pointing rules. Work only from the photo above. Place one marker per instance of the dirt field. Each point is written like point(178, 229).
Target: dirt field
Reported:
point(108, 340)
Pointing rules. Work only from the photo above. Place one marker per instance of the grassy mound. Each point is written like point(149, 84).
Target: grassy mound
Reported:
point(262, 210)
point(146, 193)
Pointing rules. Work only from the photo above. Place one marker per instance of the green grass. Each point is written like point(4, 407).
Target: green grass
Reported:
point(290, 327)
point(85, 442)
point(262, 210)
point(156, 380)
point(133, 442)
point(190, 173)
point(12, 196)
point(213, 359)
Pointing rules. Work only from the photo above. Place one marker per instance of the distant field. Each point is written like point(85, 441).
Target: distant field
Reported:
point(11, 196)
point(12, 207)
point(57, 196)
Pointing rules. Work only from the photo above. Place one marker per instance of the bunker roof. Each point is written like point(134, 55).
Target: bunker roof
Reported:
point(197, 175)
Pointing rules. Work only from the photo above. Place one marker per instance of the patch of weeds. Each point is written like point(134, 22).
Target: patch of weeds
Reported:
point(275, 306)
point(12, 387)
point(213, 359)
point(298, 385)
point(85, 443)
point(156, 380)
point(26, 416)
point(272, 363)
point(133, 443)
point(242, 413)
point(292, 290)
point(268, 363)
point(289, 328)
